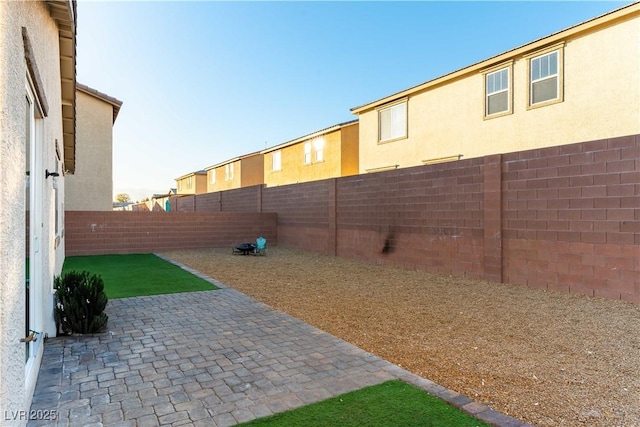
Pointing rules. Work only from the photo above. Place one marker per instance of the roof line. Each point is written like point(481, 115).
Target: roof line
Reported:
point(116, 103)
point(309, 136)
point(538, 43)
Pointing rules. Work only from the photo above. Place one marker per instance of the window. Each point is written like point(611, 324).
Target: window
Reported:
point(189, 182)
point(213, 176)
point(318, 144)
point(497, 92)
point(393, 122)
point(307, 153)
point(276, 161)
point(228, 171)
point(545, 78)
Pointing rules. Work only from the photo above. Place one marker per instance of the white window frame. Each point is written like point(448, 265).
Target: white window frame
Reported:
point(276, 161)
point(501, 68)
point(318, 145)
point(228, 172)
point(213, 176)
point(307, 153)
point(558, 75)
point(393, 121)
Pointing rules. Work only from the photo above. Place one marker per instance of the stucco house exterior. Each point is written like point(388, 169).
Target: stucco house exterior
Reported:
point(90, 188)
point(242, 171)
point(192, 183)
point(576, 85)
point(37, 134)
point(328, 153)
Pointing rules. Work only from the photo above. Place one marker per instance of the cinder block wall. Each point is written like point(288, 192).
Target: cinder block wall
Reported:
point(560, 218)
point(303, 215)
point(429, 218)
point(572, 218)
point(95, 233)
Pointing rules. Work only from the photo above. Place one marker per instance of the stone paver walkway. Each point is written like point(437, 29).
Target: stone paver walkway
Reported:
point(212, 358)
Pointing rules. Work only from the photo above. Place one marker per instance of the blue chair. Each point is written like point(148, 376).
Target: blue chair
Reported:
point(261, 246)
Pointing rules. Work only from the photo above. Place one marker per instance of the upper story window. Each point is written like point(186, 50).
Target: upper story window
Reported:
point(228, 171)
point(545, 78)
point(276, 161)
point(392, 122)
point(497, 92)
point(213, 176)
point(307, 153)
point(189, 182)
point(318, 144)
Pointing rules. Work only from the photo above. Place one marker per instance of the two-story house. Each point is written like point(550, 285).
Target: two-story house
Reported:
point(242, 171)
point(576, 85)
point(192, 183)
point(328, 153)
point(90, 188)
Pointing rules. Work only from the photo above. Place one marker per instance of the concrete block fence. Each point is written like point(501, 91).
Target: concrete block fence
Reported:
point(563, 218)
point(97, 233)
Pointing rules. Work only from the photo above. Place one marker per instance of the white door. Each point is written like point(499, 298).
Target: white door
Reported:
point(33, 294)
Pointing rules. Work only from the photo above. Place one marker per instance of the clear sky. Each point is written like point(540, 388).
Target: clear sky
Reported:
point(203, 82)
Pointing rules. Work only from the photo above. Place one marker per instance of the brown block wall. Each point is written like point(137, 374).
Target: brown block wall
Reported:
point(95, 233)
point(424, 217)
point(571, 218)
point(561, 218)
point(303, 214)
point(241, 199)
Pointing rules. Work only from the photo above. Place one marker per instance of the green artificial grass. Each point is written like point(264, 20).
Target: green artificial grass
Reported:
point(137, 275)
point(393, 403)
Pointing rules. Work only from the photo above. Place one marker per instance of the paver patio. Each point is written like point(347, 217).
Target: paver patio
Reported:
point(211, 358)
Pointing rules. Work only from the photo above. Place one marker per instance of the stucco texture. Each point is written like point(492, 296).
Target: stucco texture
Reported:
point(601, 100)
point(43, 35)
point(90, 188)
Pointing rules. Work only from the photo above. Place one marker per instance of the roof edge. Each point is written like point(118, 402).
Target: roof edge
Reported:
point(116, 103)
point(310, 135)
point(601, 20)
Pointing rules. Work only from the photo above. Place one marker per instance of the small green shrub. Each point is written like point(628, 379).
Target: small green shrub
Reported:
point(80, 303)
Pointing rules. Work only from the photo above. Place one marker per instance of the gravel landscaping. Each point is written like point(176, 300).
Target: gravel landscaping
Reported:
point(547, 358)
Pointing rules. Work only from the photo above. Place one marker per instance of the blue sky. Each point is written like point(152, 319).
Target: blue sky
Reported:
point(203, 82)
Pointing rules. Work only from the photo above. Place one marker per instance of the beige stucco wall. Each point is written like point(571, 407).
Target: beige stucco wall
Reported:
point(90, 188)
point(601, 100)
point(294, 169)
point(43, 34)
point(247, 171)
point(198, 184)
point(350, 157)
point(252, 170)
point(221, 182)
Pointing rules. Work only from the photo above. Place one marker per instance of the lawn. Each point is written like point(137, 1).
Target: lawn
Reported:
point(393, 403)
point(137, 275)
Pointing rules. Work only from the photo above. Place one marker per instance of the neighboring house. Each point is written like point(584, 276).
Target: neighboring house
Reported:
point(243, 171)
point(327, 153)
point(160, 202)
point(122, 206)
point(37, 137)
point(192, 183)
point(576, 85)
point(90, 188)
